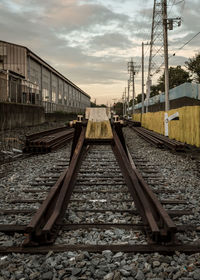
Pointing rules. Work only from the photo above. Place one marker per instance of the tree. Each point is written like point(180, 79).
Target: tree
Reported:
point(193, 65)
point(177, 76)
point(98, 106)
point(92, 104)
point(155, 90)
point(138, 98)
point(118, 107)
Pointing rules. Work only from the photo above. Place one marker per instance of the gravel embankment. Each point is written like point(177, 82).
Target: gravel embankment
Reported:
point(177, 172)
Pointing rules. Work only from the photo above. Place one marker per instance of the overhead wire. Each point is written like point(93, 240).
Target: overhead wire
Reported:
point(185, 44)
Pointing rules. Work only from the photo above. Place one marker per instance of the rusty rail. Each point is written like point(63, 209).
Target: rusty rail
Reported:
point(159, 226)
point(48, 140)
point(44, 226)
point(160, 140)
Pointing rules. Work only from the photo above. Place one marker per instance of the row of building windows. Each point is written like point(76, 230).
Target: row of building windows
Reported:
point(53, 88)
point(31, 80)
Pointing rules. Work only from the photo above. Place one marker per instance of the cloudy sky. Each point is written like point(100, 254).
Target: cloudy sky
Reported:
point(91, 41)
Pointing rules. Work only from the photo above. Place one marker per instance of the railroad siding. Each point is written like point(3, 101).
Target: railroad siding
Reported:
point(186, 129)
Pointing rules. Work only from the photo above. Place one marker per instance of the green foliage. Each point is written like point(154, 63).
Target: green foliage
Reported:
point(177, 76)
point(92, 104)
point(193, 65)
point(98, 106)
point(118, 108)
point(155, 90)
point(138, 98)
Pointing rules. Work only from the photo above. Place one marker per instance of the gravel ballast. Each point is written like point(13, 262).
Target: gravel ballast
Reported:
point(176, 171)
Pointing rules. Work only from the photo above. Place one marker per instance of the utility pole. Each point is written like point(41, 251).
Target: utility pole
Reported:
point(114, 104)
point(142, 78)
point(156, 22)
point(125, 102)
point(132, 69)
point(143, 75)
point(165, 39)
point(133, 90)
point(128, 99)
point(159, 46)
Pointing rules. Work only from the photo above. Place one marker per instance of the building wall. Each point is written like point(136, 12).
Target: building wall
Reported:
point(46, 84)
point(41, 83)
point(3, 86)
point(55, 89)
point(13, 58)
point(20, 115)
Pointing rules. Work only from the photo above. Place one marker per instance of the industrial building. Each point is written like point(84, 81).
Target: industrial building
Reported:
point(26, 78)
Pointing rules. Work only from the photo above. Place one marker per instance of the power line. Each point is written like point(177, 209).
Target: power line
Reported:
point(179, 2)
point(187, 43)
point(158, 69)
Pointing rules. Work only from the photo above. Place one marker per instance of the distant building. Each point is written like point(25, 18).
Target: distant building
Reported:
point(27, 78)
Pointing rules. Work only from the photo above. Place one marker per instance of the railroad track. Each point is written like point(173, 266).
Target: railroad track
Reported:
point(100, 190)
point(47, 141)
point(158, 140)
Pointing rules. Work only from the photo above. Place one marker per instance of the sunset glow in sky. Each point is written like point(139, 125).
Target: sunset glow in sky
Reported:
point(91, 41)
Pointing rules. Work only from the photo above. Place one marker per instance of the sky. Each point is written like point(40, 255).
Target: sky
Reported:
point(91, 41)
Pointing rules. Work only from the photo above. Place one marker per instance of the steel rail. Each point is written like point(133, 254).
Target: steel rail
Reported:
point(152, 140)
point(159, 140)
point(171, 142)
point(50, 142)
point(50, 139)
point(159, 226)
point(34, 136)
point(43, 227)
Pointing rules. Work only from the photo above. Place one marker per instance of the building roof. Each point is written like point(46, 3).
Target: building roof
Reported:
point(41, 61)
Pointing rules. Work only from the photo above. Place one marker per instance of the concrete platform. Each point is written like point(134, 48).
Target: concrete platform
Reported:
point(98, 126)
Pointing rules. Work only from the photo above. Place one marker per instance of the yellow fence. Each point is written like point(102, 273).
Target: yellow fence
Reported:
point(186, 129)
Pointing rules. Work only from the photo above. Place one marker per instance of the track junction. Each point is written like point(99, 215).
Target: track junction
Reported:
point(100, 167)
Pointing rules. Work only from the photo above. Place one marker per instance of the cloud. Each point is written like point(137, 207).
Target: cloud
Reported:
point(90, 41)
point(111, 40)
point(177, 60)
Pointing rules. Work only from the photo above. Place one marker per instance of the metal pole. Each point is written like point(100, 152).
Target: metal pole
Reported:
point(165, 37)
point(150, 57)
point(16, 92)
point(133, 103)
point(128, 95)
point(125, 103)
point(142, 78)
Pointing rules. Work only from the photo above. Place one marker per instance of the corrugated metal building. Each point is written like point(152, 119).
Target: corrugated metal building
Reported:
point(26, 78)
